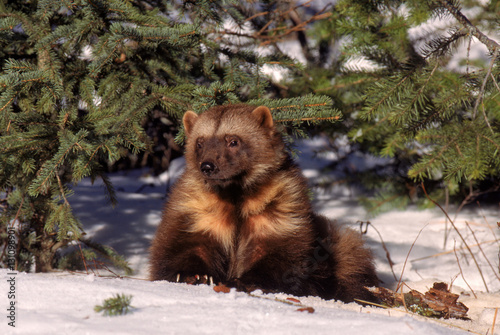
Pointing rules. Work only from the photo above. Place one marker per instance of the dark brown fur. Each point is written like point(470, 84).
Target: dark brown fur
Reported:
point(241, 214)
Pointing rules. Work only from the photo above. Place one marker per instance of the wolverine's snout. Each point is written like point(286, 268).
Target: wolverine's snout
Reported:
point(208, 168)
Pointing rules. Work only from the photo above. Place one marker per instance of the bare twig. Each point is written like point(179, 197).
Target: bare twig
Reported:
point(483, 86)
point(462, 273)
point(107, 268)
point(268, 35)
point(471, 196)
point(61, 189)
point(460, 235)
point(490, 44)
point(482, 251)
point(468, 53)
point(487, 223)
point(494, 81)
point(95, 265)
point(83, 258)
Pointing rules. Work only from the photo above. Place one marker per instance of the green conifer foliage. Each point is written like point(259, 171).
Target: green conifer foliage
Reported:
point(119, 304)
point(77, 80)
point(388, 66)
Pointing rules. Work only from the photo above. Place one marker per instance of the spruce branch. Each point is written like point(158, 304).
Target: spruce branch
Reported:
point(385, 98)
point(418, 169)
point(455, 11)
point(50, 167)
point(81, 82)
point(439, 46)
point(8, 103)
point(417, 95)
point(119, 304)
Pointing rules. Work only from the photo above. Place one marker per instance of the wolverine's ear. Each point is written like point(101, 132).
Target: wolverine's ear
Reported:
point(188, 120)
point(263, 114)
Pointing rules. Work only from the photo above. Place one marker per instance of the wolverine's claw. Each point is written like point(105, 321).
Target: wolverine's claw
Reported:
point(178, 277)
point(195, 279)
point(211, 281)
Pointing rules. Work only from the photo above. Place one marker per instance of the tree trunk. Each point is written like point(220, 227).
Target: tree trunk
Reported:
point(44, 257)
point(42, 249)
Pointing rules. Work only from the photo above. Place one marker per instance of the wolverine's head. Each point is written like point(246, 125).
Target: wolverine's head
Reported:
point(232, 145)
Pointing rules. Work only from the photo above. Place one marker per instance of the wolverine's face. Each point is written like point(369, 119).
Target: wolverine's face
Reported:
point(232, 144)
point(222, 159)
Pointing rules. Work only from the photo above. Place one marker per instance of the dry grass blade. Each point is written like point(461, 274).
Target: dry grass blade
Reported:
point(494, 321)
point(406, 260)
point(387, 253)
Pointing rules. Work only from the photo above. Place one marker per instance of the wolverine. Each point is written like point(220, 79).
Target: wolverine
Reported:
point(240, 215)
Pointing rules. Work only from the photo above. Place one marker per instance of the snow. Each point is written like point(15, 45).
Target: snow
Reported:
point(63, 302)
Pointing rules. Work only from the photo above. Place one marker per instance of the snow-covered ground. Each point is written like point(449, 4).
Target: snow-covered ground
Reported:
point(63, 302)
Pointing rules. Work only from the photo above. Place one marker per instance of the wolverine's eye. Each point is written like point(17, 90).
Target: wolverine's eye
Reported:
point(199, 144)
point(232, 141)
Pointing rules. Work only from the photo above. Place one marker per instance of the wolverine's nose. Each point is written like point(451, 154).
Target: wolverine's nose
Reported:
point(207, 168)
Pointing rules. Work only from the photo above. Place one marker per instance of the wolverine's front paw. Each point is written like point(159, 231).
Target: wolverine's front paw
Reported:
point(195, 279)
